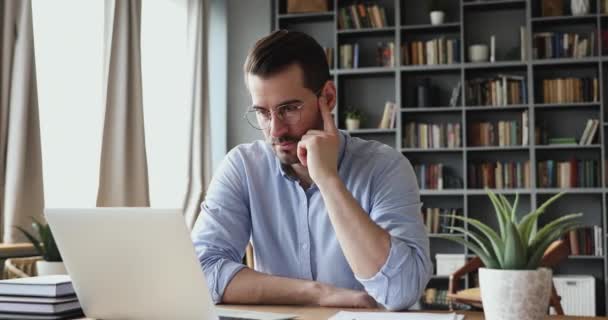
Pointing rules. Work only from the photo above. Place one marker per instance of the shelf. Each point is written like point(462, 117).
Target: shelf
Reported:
point(430, 27)
point(569, 190)
point(444, 192)
point(566, 61)
point(565, 19)
point(477, 192)
point(494, 65)
point(366, 70)
point(440, 235)
point(431, 109)
point(566, 105)
point(436, 277)
point(307, 16)
point(421, 150)
point(498, 148)
point(567, 146)
point(497, 108)
point(581, 257)
point(372, 131)
point(495, 4)
point(363, 31)
point(432, 67)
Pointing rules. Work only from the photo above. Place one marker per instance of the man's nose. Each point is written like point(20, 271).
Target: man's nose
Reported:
point(277, 126)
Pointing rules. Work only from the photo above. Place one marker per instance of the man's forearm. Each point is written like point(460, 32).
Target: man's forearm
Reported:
point(365, 245)
point(251, 287)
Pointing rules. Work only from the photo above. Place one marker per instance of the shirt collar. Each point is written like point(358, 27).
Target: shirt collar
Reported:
point(342, 150)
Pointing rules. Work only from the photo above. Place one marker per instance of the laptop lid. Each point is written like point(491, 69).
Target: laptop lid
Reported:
point(132, 263)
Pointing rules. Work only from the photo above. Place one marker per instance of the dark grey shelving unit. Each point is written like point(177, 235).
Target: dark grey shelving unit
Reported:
point(472, 21)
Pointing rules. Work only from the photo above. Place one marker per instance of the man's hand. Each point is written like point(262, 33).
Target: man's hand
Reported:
point(318, 149)
point(344, 298)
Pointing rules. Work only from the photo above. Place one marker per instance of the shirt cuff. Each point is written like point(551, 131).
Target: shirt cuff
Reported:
point(378, 285)
point(227, 269)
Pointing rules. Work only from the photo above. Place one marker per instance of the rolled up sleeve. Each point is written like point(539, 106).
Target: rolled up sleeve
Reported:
point(223, 228)
point(396, 208)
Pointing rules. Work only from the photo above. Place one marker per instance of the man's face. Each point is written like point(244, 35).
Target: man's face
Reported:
point(285, 88)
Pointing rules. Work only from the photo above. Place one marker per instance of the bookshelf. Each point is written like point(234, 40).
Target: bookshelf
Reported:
point(474, 21)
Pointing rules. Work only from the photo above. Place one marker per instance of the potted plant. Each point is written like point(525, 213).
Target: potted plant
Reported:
point(512, 284)
point(353, 119)
point(47, 248)
point(437, 15)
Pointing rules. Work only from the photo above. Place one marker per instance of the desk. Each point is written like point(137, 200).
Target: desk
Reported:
point(316, 313)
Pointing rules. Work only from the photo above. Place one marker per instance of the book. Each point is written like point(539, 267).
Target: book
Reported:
point(42, 286)
point(40, 308)
point(29, 316)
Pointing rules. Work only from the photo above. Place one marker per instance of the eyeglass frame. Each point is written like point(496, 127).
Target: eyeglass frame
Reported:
point(299, 105)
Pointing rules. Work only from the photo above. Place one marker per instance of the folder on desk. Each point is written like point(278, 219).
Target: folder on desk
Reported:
point(346, 315)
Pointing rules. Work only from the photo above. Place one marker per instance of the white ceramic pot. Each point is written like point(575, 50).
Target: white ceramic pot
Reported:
point(352, 124)
point(478, 53)
point(580, 7)
point(437, 17)
point(45, 268)
point(515, 294)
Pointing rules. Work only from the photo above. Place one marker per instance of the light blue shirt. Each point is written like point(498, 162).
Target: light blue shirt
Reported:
point(252, 198)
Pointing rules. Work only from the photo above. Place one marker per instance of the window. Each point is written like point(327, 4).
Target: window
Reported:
point(69, 44)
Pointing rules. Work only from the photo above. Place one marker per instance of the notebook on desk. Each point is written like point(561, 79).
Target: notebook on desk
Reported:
point(346, 315)
point(136, 263)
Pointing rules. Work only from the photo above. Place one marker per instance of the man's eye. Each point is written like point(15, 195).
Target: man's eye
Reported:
point(290, 108)
point(263, 113)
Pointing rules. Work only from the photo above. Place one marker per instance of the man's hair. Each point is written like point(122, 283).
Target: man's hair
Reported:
point(277, 51)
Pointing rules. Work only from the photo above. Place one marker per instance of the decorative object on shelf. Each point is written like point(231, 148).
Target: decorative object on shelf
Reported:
point(580, 7)
point(513, 286)
point(47, 248)
point(304, 6)
point(422, 94)
point(353, 119)
point(478, 53)
point(437, 17)
point(493, 48)
point(550, 8)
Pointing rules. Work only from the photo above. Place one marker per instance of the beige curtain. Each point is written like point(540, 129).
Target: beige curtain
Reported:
point(21, 188)
point(199, 166)
point(123, 178)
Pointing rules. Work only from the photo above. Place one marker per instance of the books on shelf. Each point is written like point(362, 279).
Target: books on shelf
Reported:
point(549, 45)
point(501, 90)
point(585, 241)
point(590, 132)
point(389, 116)
point(349, 56)
point(431, 52)
point(550, 8)
point(385, 54)
point(44, 297)
point(568, 174)
point(329, 54)
point(499, 175)
point(604, 5)
point(432, 136)
point(440, 220)
point(436, 176)
point(561, 140)
point(570, 90)
point(455, 94)
point(501, 133)
point(359, 16)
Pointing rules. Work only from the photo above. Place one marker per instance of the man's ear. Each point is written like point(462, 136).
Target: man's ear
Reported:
point(329, 93)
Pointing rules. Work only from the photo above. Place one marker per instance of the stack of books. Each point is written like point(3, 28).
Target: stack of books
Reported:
point(549, 45)
point(499, 91)
point(565, 90)
point(499, 174)
point(44, 297)
point(586, 241)
point(568, 174)
point(432, 136)
point(362, 16)
point(440, 220)
point(431, 52)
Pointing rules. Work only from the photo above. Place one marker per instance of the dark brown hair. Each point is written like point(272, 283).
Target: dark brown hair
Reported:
point(283, 48)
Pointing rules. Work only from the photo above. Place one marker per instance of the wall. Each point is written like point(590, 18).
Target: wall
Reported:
point(247, 21)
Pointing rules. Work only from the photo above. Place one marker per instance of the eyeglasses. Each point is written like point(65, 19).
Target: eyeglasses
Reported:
point(260, 118)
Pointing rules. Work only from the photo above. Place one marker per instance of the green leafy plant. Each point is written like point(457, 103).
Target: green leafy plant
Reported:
point(518, 245)
point(45, 243)
point(354, 114)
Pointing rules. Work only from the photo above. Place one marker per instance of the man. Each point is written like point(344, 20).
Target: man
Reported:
point(334, 220)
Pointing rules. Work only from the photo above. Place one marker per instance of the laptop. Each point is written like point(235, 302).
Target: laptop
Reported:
point(136, 263)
